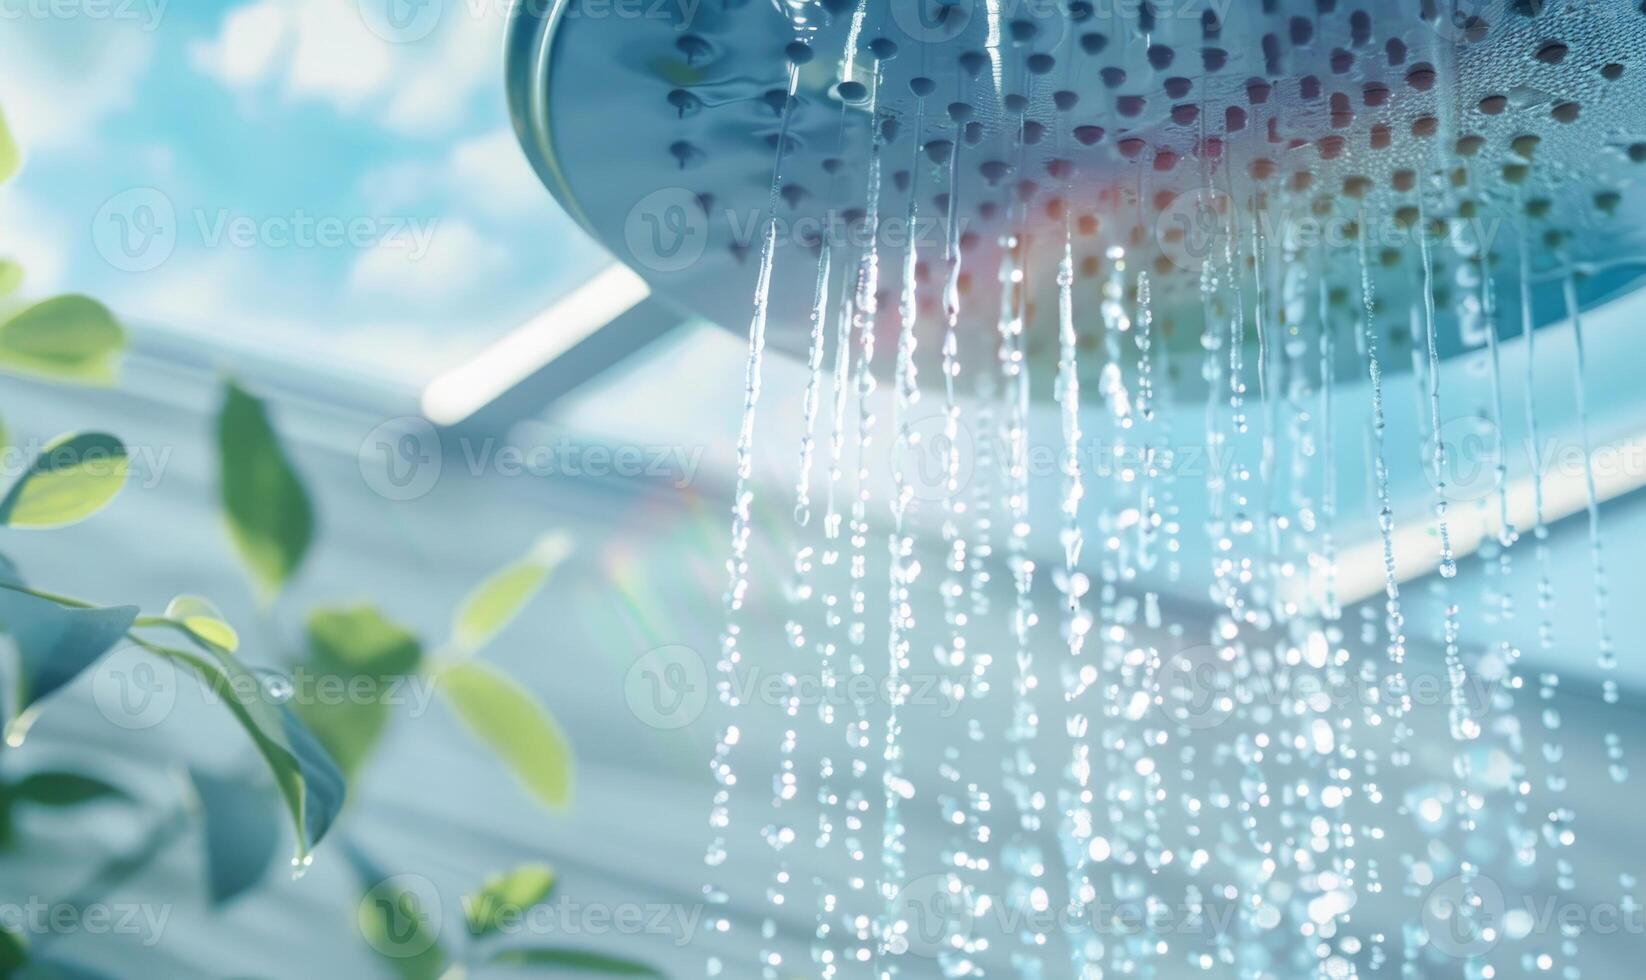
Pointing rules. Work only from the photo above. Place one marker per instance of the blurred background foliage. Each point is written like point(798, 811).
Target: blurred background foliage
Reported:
point(312, 751)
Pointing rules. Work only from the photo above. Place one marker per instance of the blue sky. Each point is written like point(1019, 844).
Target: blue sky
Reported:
point(291, 176)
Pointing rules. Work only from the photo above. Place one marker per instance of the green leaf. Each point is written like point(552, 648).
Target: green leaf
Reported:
point(496, 601)
point(53, 970)
point(10, 159)
point(515, 726)
point(242, 833)
point(73, 478)
point(349, 732)
point(394, 920)
point(13, 952)
point(66, 338)
point(202, 620)
point(307, 778)
point(54, 644)
point(507, 895)
point(62, 789)
point(360, 640)
point(11, 276)
point(580, 961)
point(268, 511)
point(354, 642)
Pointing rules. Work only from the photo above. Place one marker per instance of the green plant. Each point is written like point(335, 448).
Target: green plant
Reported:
point(311, 750)
point(390, 917)
point(74, 339)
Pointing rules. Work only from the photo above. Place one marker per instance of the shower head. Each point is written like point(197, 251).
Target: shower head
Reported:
point(1209, 140)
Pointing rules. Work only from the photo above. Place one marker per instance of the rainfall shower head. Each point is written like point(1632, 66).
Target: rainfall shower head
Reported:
point(1190, 710)
point(1205, 139)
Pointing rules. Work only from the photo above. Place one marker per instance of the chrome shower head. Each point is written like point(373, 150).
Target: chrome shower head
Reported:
point(1205, 138)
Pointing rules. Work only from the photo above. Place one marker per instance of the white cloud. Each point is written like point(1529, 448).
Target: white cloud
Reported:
point(62, 77)
point(323, 50)
point(400, 187)
point(244, 53)
point(337, 58)
point(492, 172)
point(486, 175)
point(457, 259)
point(488, 172)
point(224, 298)
point(34, 241)
point(437, 88)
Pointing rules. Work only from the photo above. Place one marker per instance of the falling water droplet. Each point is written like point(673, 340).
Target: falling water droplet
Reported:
point(737, 565)
point(1394, 622)
point(814, 384)
point(1328, 494)
point(1448, 563)
point(1540, 530)
point(1607, 656)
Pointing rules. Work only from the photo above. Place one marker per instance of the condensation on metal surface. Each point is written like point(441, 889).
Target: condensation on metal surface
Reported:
point(657, 128)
